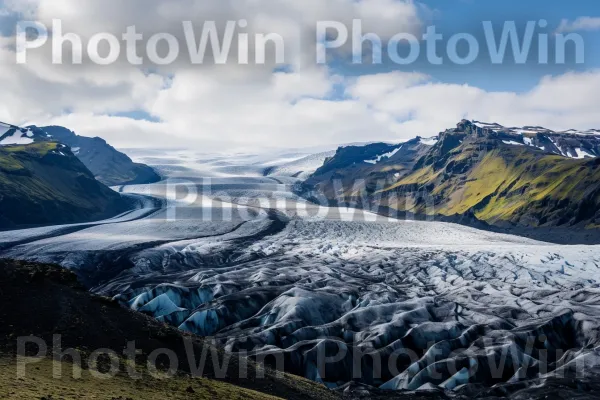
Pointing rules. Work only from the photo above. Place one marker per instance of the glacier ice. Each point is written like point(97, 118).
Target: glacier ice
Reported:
point(441, 306)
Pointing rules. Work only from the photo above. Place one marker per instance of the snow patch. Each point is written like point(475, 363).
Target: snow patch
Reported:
point(581, 154)
point(485, 125)
point(16, 138)
point(511, 142)
point(381, 157)
point(4, 128)
point(430, 141)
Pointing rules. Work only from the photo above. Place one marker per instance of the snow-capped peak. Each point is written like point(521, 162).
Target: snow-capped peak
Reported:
point(532, 129)
point(16, 135)
point(10, 134)
point(570, 143)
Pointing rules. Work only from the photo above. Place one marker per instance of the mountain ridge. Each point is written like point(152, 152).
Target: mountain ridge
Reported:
point(477, 174)
point(43, 183)
point(109, 166)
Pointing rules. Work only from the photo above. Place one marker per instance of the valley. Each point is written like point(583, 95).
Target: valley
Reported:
point(225, 249)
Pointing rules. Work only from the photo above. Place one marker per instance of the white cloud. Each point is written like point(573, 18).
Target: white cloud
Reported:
point(236, 105)
point(393, 107)
point(372, 87)
point(425, 108)
point(580, 24)
point(232, 107)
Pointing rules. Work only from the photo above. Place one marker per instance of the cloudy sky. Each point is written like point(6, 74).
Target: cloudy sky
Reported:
point(300, 103)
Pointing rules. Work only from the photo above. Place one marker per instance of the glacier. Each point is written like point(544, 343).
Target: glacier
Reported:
point(394, 305)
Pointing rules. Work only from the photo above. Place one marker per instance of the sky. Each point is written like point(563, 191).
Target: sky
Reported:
point(297, 103)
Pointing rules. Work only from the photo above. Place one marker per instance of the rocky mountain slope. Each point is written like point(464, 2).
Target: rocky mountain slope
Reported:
point(506, 177)
point(571, 143)
point(44, 183)
point(355, 169)
point(108, 165)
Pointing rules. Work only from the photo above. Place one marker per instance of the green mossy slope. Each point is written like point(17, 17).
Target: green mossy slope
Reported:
point(44, 183)
point(503, 184)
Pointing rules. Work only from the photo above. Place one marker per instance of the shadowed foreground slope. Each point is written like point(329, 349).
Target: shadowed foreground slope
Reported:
point(44, 300)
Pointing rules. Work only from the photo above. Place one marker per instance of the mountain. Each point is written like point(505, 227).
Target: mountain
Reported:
point(88, 323)
point(12, 134)
point(358, 168)
point(571, 143)
point(299, 167)
point(44, 183)
point(108, 165)
point(527, 177)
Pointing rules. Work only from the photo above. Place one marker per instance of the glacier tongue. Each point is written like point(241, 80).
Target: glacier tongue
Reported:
point(450, 297)
point(408, 305)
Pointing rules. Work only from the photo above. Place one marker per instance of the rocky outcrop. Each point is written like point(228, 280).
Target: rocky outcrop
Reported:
point(504, 177)
point(43, 183)
point(109, 166)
